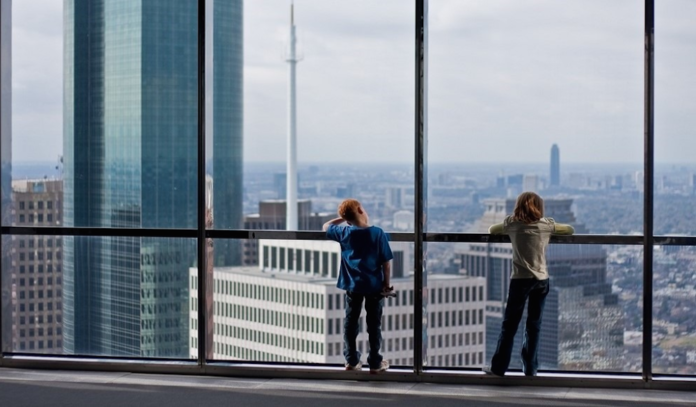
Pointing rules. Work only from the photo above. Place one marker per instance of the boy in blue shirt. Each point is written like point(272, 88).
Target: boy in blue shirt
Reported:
point(365, 275)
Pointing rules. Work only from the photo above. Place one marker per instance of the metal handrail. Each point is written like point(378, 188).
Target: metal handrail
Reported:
point(251, 234)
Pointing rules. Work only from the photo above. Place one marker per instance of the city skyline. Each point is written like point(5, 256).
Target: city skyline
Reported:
point(623, 264)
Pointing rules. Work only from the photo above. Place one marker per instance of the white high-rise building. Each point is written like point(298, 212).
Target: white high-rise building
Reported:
point(290, 310)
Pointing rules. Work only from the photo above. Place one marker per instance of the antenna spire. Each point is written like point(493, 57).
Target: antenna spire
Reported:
point(291, 174)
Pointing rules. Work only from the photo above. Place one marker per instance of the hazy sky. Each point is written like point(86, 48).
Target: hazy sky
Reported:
point(507, 79)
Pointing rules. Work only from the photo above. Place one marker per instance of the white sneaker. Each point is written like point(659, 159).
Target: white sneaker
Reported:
point(358, 366)
point(487, 370)
point(382, 367)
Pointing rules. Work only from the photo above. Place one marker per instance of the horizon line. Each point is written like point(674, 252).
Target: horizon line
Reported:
point(311, 162)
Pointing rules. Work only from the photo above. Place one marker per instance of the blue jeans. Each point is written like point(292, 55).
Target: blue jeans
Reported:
point(373, 319)
point(521, 289)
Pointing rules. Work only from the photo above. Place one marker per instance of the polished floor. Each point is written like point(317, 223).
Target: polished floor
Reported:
point(20, 387)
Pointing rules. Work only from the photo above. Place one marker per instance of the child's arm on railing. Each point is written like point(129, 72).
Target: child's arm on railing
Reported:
point(563, 229)
point(496, 229)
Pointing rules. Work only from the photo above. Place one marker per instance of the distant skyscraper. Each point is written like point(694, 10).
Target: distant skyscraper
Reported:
point(395, 197)
point(130, 145)
point(555, 166)
point(639, 180)
point(37, 271)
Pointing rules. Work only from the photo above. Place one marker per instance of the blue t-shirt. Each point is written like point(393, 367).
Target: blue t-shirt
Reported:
point(363, 252)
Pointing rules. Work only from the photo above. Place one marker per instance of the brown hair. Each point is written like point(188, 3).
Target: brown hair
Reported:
point(529, 207)
point(348, 209)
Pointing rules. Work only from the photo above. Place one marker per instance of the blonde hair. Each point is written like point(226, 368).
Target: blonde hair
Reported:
point(529, 208)
point(348, 209)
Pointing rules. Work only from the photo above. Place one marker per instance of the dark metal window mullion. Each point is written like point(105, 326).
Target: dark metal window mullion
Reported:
point(201, 221)
point(421, 206)
point(648, 195)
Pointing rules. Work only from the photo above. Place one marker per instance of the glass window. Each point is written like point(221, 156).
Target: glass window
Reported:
point(550, 118)
point(675, 169)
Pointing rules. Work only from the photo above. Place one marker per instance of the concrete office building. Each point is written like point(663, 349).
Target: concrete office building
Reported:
point(37, 269)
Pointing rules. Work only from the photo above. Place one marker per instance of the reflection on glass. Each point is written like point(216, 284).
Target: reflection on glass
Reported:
point(287, 308)
point(674, 299)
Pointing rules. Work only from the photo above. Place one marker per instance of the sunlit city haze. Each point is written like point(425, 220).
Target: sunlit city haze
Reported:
point(540, 96)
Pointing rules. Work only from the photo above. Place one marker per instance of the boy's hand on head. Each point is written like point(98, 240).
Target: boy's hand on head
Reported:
point(335, 221)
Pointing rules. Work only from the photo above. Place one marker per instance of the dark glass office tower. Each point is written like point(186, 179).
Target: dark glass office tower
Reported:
point(227, 125)
point(130, 143)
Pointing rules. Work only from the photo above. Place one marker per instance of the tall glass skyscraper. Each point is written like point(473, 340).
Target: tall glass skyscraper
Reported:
point(227, 122)
point(130, 143)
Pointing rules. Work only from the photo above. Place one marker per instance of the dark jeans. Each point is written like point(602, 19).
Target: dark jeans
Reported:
point(373, 319)
point(520, 290)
